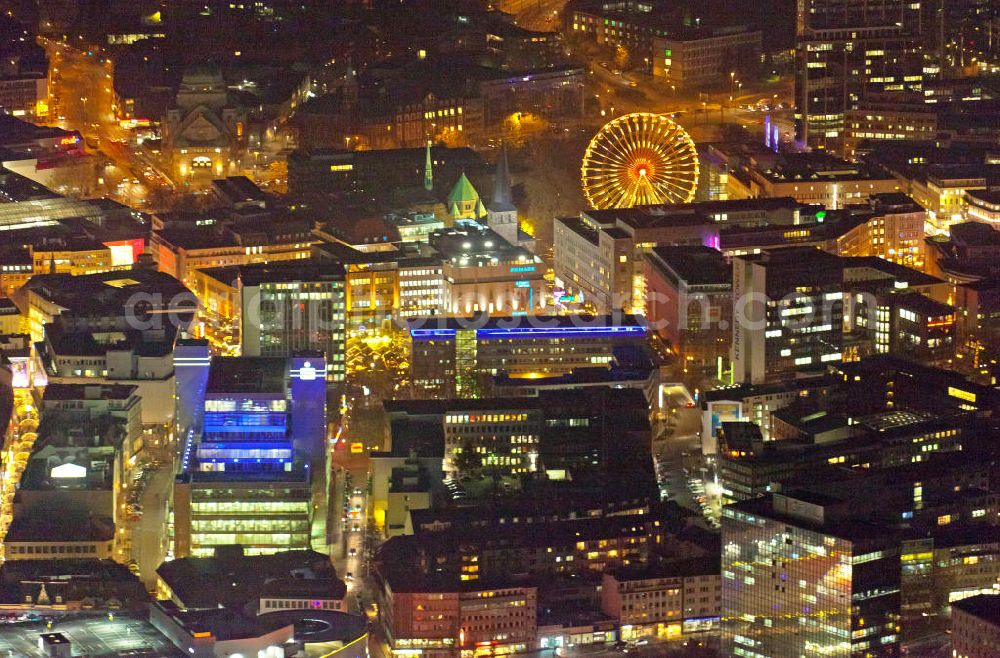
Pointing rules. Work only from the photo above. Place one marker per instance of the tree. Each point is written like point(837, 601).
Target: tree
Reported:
point(467, 460)
point(622, 57)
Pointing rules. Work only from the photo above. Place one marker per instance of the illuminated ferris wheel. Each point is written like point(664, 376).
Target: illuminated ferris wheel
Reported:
point(639, 159)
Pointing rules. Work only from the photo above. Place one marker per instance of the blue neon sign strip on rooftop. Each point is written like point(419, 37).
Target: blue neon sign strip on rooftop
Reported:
point(432, 334)
point(535, 332)
point(560, 332)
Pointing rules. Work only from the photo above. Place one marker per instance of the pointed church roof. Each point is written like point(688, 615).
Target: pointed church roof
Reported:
point(462, 192)
point(428, 170)
point(480, 209)
point(209, 121)
point(503, 196)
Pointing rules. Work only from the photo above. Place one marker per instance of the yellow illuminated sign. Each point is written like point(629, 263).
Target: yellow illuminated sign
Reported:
point(961, 395)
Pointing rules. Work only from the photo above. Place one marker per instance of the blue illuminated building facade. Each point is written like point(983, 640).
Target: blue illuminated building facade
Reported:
point(191, 365)
point(256, 471)
point(454, 357)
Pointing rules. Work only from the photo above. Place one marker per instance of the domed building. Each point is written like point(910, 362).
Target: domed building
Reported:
point(204, 133)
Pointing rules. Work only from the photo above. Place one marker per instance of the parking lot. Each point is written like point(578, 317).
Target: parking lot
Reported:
point(92, 635)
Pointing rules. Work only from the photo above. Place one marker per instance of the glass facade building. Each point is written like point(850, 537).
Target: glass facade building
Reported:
point(294, 307)
point(800, 579)
point(848, 53)
point(250, 478)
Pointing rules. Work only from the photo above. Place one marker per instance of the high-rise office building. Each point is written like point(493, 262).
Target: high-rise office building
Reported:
point(801, 578)
point(787, 313)
point(256, 473)
point(295, 306)
point(849, 52)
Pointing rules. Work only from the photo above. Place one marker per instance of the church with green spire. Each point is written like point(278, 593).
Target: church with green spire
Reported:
point(464, 201)
point(425, 205)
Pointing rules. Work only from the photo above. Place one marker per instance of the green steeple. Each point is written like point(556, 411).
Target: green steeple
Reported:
point(428, 170)
point(463, 193)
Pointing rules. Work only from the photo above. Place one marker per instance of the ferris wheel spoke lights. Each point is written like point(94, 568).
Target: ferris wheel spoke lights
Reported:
point(639, 159)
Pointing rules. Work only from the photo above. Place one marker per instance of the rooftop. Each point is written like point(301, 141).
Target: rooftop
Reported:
point(17, 131)
point(53, 638)
point(247, 374)
point(581, 228)
point(224, 623)
point(740, 434)
point(197, 237)
point(817, 167)
point(59, 392)
point(805, 419)
point(943, 174)
point(983, 197)
point(741, 391)
point(854, 266)
point(438, 406)
point(796, 257)
point(858, 531)
point(84, 342)
point(15, 187)
point(984, 606)
point(85, 468)
point(696, 265)
point(235, 580)
point(469, 244)
point(112, 293)
point(290, 271)
point(705, 566)
point(923, 304)
point(689, 213)
point(105, 571)
point(975, 234)
point(334, 627)
point(397, 556)
point(238, 189)
point(893, 419)
point(225, 275)
point(893, 202)
point(45, 528)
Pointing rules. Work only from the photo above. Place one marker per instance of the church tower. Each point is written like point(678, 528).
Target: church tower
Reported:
point(428, 170)
point(501, 215)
